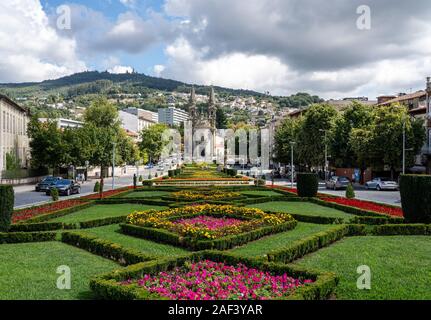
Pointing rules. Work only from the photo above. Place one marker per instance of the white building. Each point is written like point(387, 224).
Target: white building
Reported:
point(172, 116)
point(13, 127)
point(145, 114)
point(134, 124)
point(64, 123)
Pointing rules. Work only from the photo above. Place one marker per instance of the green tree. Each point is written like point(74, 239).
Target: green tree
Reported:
point(151, 144)
point(311, 138)
point(284, 135)
point(221, 120)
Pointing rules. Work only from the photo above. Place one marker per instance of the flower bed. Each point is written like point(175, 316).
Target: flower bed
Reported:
point(251, 219)
point(209, 222)
point(109, 193)
point(26, 214)
point(209, 280)
point(366, 205)
point(204, 195)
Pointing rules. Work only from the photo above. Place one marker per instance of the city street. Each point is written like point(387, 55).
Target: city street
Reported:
point(388, 197)
point(25, 195)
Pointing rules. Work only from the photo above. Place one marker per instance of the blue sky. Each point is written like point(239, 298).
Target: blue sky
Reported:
point(279, 46)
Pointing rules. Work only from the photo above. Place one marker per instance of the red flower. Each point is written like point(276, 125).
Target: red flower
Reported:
point(366, 205)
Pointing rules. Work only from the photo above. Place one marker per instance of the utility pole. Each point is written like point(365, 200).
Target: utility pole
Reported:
point(113, 164)
point(404, 145)
point(292, 144)
point(326, 153)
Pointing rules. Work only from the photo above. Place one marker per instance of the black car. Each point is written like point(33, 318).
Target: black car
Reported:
point(65, 187)
point(46, 183)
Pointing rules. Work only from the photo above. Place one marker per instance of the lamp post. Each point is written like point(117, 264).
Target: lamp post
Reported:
point(326, 152)
point(113, 164)
point(292, 144)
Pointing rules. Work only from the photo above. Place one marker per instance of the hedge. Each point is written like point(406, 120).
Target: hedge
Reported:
point(307, 184)
point(225, 243)
point(19, 237)
point(375, 220)
point(402, 229)
point(7, 199)
point(416, 198)
point(307, 245)
point(105, 248)
point(108, 286)
point(32, 227)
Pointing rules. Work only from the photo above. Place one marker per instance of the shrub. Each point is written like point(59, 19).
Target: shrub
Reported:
point(307, 184)
point(150, 177)
point(416, 198)
point(54, 194)
point(147, 183)
point(156, 175)
point(96, 187)
point(350, 192)
point(140, 178)
point(7, 199)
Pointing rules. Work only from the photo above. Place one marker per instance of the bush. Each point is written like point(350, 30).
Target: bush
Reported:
point(307, 184)
point(7, 200)
point(350, 192)
point(54, 194)
point(416, 198)
point(96, 187)
point(140, 178)
point(260, 182)
point(147, 183)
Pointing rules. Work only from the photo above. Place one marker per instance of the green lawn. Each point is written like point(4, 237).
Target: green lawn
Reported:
point(112, 234)
point(262, 193)
point(101, 211)
point(146, 194)
point(28, 271)
point(303, 208)
point(400, 266)
point(262, 246)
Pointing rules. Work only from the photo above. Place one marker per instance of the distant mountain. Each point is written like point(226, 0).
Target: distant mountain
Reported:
point(135, 79)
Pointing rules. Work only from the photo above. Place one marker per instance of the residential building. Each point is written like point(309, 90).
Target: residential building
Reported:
point(13, 127)
point(172, 116)
point(134, 124)
point(145, 114)
point(418, 105)
point(64, 123)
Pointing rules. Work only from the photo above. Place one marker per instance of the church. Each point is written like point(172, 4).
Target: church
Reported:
point(202, 127)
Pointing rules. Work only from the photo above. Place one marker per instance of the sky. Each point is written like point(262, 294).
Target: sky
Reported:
point(332, 48)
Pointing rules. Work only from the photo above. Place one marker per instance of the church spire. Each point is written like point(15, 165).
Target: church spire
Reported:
point(212, 97)
point(192, 99)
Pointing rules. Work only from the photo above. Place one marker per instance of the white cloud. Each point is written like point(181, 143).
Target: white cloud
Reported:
point(158, 69)
point(30, 49)
point(120, 69)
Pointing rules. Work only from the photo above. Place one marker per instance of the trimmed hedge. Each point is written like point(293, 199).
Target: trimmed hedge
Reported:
point(307, 245)
point(32, 227)
point(20, 237)
point(7, 199)
point(307, 184)
point(402, 229)
point(58, 213)
point(108, 286)
point(105, 248)
point(376, 220)
point(225, 243)
point(416, 198)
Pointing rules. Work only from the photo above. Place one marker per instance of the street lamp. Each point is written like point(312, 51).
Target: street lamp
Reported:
point(292, 144)
point(113, 164)
point(326, 152)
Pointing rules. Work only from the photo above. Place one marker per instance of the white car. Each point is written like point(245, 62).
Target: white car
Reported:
point(381, 184)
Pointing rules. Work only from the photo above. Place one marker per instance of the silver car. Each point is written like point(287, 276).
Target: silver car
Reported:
point(335, 183)
point(381, 184)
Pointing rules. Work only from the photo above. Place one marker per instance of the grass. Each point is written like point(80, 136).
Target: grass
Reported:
point(112, 234)
point(400, 266)
point(104, 211)
point(303, 208)
point(146, 194)
point(262, 246)
point(262, 193)
point(28, 271)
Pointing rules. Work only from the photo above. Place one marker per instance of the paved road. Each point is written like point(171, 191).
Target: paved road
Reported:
point(26, 196)
point(388, 197)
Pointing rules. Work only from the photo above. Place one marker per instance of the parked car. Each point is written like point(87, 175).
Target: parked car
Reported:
point(336, 182)
point(381, 184)
point(46, 182)
point(65, 187)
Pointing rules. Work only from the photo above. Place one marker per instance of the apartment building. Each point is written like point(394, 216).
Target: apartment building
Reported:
point(13, 128)
point(134, 124)
point(144, 114)
point(172, 116)
point(64, 123)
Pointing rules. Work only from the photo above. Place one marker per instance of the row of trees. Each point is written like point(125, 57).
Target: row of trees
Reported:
point(53, 148)
point(360, 137)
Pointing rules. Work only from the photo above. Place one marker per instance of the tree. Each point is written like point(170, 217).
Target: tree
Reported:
point(311, 139)
point(45, 144)
point(221, 120)
point(355, 116)
point(151, 144)
point(284, 135)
